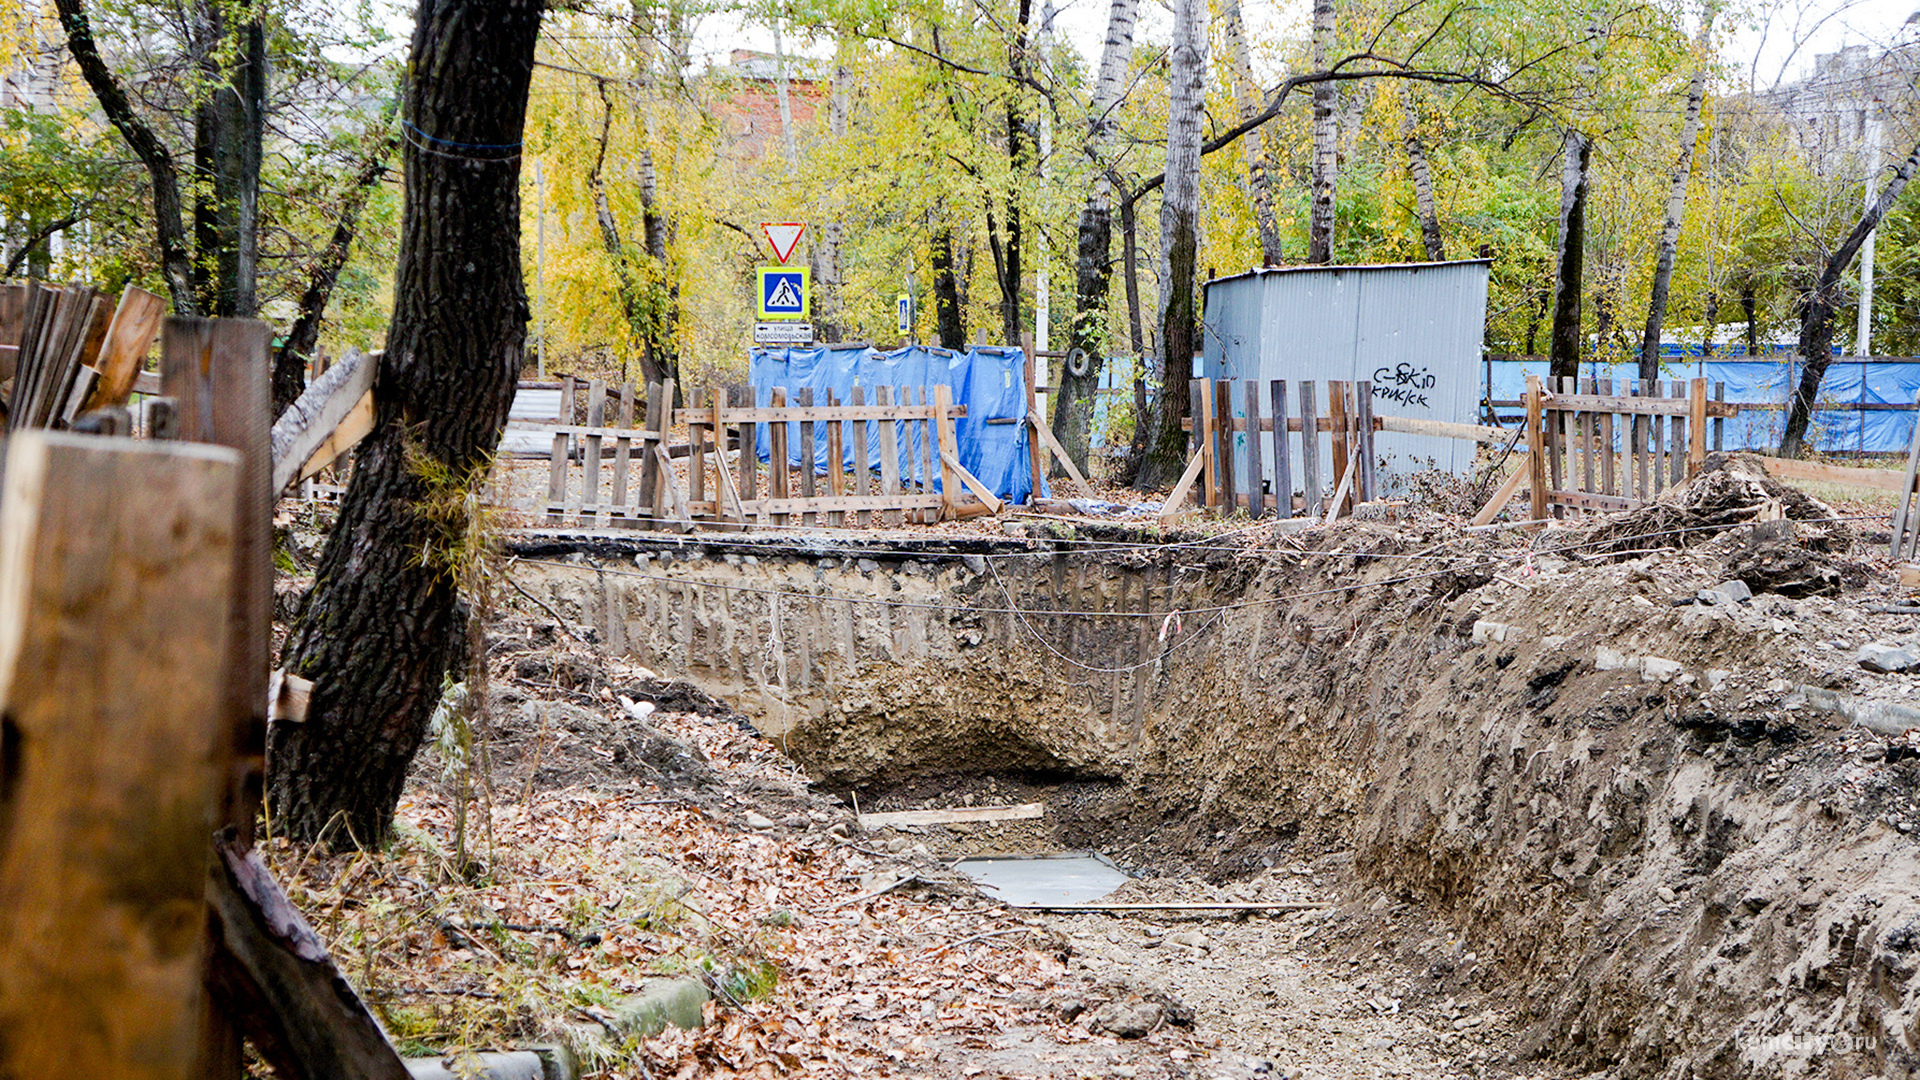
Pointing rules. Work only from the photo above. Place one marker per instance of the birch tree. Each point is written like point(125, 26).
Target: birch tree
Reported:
point(1326, 139)
point(1676, 200)
point(1258, 152)
point(1179, 242)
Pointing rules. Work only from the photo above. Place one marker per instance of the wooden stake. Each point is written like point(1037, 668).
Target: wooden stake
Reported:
point(1536, 449)
point(116, 593)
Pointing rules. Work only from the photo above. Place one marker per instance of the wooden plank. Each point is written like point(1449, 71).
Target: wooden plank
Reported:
point(1536, 449)
point(1223, 408)
point(929, 451)
point(590, 510)
point(1638, 405)
point(1505, 492)
point(1205, 433)
point(1793, 469)
point(1642, 439)
point(809, 518)
point(665, 488)
point(1060, 454)
point(889, 453)
point(129, 338)
point(1659, 445)
point(980, 490)
point(861, 473)
point(217, 371)
point(1583, 500)
point(959, 815)
point(1341, 493)
point(116, 564)
point(1679, 443)
point(309, 423)
point(1369, 460)
point(720, 470)
point(1697, 425)
point(1037, 450)
point(1720, 423)
point(1588, 426)
point(846, 503)
point(1309, 449)
point(1903, 509)
point(1337, 412)
point(356, 425)
point(1555, 437)
point(1176, 500)
point(1282, 467)
point(949, 452)
point(777, 456)
point(836, 464)
point(1255, 471)
point(557, 468)
point(623, 454)
point(1609, 479)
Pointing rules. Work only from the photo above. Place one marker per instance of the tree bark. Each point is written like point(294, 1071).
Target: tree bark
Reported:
point(176, 261)
point(378, 630)
point(827, 269)
point(1676, 206)
point(1019, 160)
point(290, 361)
point(1816, 311)
point(946, 293)
point(1422, 178)
point(1179, 243)
point(1564, 340)
point(1247, 101)
point(1093, 263)
point(1326, 140)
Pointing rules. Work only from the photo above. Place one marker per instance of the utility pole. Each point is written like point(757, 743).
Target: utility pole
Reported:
point(1863, 334)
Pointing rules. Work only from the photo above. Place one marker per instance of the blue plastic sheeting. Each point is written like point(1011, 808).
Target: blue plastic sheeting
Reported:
point(1770, 382)
point(989, 380)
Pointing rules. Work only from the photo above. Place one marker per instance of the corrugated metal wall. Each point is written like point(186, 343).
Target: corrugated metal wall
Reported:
point(1413, 330)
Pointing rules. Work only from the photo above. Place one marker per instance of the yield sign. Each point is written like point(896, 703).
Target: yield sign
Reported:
point(783, 235)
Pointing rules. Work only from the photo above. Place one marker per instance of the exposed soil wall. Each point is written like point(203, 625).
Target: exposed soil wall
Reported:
point(1677, 867)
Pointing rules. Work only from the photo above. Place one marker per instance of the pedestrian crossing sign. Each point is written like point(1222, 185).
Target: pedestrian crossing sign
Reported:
point(783, 292)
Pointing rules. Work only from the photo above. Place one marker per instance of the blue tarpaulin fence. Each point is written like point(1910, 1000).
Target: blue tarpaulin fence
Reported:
point(990, 380)
point(1839, 425)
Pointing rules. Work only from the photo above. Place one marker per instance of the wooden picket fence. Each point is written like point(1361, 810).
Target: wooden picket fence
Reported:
point(1225, 485)
point(1597, 446)
point(713, 479)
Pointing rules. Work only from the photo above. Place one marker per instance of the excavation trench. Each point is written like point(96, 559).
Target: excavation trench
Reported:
point(1610, 804)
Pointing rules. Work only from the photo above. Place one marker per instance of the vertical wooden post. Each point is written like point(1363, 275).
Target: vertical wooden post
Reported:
point(1223, 422)
point(1657, 447)
point(1201, 393)
point(1337, 414)
point(723, 480)
point(697, 431)
point(1556, 445)
point(590, 473)
point(808, 518)
point(163, 421)
point(836, 463)
point(1309, 448)
point(1609, 470)
point(117, 564)
point(557, 478)
point(777, 455)
point(1642, 444)
point(949, 450)
point(1256, 478)
point(1697, 428)
point(664, 494)
point(1536, 451)
point(1719, 422)
point(1369, 461)
point(749, 462)
point(649, 464)
point(929, 450)
point(1282, 468)
point(861, 473)
point(889, 451)
point(623, 455)
point(1587, 424)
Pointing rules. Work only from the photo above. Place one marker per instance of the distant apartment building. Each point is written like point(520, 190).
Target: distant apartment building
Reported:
point(1838, 113)
point(745, 99)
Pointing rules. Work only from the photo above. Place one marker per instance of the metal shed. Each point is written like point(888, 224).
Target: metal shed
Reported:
point(1414, 330)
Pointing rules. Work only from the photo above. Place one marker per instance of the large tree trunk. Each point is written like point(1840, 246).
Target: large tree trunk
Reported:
point(1247, 101)
point(1326, 139)
point(228, 127)
point(1564, 343)
point(1676, 206)
point(946, 293)
point(1422, 179)
point(827, 270)
point(290, 361)
point(1166, 454)
point(176, 261)
point(1816, 311)
point(378, 630)
point(1019, 160)
point(1093, 265)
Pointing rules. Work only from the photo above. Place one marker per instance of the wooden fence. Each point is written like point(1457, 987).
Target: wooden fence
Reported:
point(1226, 484)
point(713, 478)
point(1593, 448)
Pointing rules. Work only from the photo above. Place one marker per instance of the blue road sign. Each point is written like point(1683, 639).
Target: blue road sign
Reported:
point(783, 292)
